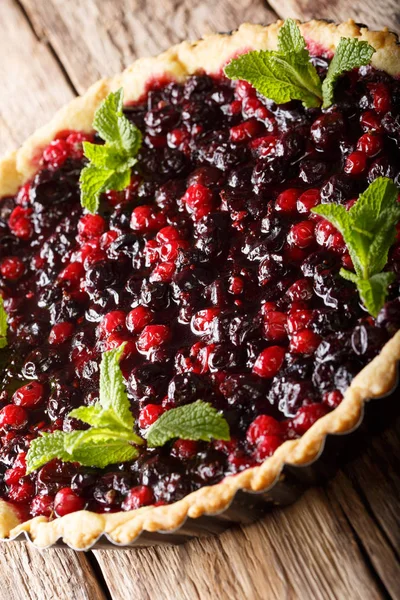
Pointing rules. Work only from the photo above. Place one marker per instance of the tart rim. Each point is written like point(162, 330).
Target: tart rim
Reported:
point(81, 529)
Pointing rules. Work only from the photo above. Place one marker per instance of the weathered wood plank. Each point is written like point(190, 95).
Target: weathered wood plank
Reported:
point(305, 551)
point(384, 13)
point(33, 85)
point(28, 574)
point(112, 34)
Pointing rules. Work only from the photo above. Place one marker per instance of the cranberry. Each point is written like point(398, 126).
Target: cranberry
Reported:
point(163, 272)
point(269, 362)
point(262, 426)
point(12, 476)
point(332, 399)
point(60, 333)
point(327, 130)
point(299, 320)
point(144, 219)
point(370, 143)
point(356, 163)
point(21, 492)
point(138, 496)
point(153, 336)
point(267, 446)
point(72, 274)
point(199, 200)
point(91, 226)
point(306, 416)
point(307, 201)
point(149, 414)
point(370, 121)
point(381, 97)
point(29, 395)
point(185, 448)
point(138, 318)
point(12, 268)
point(245, 131)
point(13, 417)
point(56, 153)
point(42, 506)
point(67, 501)
point(286, 202)
point(202, 321)
point(274, 327)
point(112, 322)
point(302, 234)
point(304, 342)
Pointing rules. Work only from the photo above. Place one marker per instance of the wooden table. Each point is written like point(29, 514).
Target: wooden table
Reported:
point(340, 541)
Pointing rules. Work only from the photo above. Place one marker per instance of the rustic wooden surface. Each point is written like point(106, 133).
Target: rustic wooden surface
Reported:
point(339, 541)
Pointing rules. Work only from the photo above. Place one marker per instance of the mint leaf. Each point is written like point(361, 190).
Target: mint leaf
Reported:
point(3, 324)
point(93, 181)
point(110, 164)
point(350, 54)
point(283, 75)
point(196, 421)
point(369, 230)
point(45, 448)
point(112, 388)
point(99, 447)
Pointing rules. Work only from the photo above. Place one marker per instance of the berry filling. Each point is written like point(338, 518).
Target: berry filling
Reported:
point(213, 269)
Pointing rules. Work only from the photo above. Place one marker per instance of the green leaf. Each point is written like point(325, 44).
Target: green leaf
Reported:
point(291, 40)
point(369, 230)
point(106, 117)
point(110, 163)
point(196, 421)
point(100, 447)
point(45, 448)
point(93, 181)
point(373, 291)
point(350, 54)
point(278, 77)
point(3, 324)
point(112, 388)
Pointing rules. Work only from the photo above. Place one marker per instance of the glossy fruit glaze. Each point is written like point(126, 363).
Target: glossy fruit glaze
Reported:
point(212, 268)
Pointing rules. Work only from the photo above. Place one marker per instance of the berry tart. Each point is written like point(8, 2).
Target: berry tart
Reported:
point(199, 274)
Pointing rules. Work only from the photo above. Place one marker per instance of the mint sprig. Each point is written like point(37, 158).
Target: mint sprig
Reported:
point(110, 438)
point(196, 421)
point(287, 74)
point(350, 54)
point(369, 230)
point(3, 325)
point(110, 164)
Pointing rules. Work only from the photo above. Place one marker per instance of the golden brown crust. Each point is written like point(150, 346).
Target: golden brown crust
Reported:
point(81, 529)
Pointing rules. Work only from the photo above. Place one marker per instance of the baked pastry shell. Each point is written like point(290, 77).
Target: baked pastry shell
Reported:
point(296, 464)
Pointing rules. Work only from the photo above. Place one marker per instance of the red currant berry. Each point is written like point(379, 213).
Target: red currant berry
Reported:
point(370, 143)
point(274, 327)
point(308, 200)
point(60, 333)
point(29, 395)
point(42, 506)
point(153, 336)
point(261, 426)
point(56, 153)
point(307, 416)
point(267, 446)
point(138, 318)
point(21, 492)
point(12, 268)
point(138, 496)
point(149, 414)
point(301, 234)
point(356, 163)
point(304, 342)
point(269, 361)
point(13, 417)
point(67, 501)
point(286, 202)
point(112, 322)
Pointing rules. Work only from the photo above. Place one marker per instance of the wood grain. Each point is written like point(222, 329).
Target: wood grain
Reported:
point(26, 68)
point(28, 574)
point(112, 34)
point(375, 14)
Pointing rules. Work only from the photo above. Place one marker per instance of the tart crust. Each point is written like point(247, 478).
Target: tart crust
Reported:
point(81, 529)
